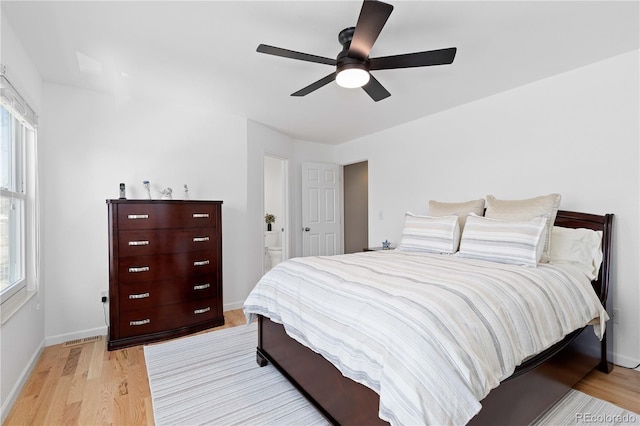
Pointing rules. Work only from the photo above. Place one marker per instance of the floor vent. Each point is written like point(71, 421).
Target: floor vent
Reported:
point(81, 341)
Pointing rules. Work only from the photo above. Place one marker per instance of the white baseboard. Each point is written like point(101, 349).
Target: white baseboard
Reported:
point(232, 306)
point(625, 361)
point(102, 331)
point(61, 338)
point(7, 404)
point(613, 357)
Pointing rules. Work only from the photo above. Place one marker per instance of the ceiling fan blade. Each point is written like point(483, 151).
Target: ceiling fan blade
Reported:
point(373, 16)
point(375, 89)
point(315, 86)
point(285, 53)
point(410, 60)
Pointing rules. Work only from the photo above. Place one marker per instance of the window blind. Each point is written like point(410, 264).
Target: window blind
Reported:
point(12, 100)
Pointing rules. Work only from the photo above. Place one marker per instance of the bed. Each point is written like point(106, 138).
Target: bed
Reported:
point(522, 393)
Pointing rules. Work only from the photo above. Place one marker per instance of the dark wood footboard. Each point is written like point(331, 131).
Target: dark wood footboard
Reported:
point(339, 399)
point(535, 386)
point(531, 390)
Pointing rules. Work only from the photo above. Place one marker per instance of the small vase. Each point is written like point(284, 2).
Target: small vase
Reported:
point(268, 227)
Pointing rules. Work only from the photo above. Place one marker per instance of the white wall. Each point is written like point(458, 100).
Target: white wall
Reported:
point(22, 336)
point(261, 141)
point(576, 134)
point(91, 143)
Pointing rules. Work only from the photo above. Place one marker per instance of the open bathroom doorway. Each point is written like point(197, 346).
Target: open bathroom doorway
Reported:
point(276, 209)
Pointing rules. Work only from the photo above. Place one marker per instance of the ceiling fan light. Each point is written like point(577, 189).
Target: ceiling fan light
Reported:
point(352, 78)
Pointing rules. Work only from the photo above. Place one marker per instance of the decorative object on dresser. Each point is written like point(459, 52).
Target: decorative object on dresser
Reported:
point(147, 186)
point(165, 269)
point(166, 194)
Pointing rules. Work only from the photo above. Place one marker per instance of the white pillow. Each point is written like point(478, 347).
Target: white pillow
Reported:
point(546, 205)
point(430, 234)
point(581, 247)
point(513, 242)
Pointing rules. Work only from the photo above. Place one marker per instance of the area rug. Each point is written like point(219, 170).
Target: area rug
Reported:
point(213, 378)
point(577, 408)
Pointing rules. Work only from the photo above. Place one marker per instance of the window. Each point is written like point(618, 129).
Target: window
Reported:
point(17, 192)
point(12, 203)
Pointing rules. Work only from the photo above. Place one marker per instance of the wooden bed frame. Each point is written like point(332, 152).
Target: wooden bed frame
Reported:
point(536, 385)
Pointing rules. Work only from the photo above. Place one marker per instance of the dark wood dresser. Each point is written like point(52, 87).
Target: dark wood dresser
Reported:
point(165, 269)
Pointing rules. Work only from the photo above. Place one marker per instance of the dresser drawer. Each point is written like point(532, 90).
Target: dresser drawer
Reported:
point(157, 241)
point(167, 317)
point(162, 267)
point(155, 215)
point(145, 295)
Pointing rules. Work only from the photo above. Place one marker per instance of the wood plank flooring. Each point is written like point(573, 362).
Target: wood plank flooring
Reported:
point(87, 385)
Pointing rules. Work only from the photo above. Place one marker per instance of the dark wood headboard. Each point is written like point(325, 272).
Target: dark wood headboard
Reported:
point(603, 223)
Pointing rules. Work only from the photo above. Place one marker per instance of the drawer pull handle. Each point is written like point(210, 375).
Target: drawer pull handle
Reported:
point(140, 269)
point(141, 322)
point(138, 243)
point(138, 296)
point(138, 216)
point(202, 311)
point(201, 262)
point(198, 215)
point(201, 286)
point(200, 239)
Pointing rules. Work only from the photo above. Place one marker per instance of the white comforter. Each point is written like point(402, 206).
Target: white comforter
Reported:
point(431, 334)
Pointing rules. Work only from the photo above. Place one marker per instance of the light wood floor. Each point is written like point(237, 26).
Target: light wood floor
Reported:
point(87, 385)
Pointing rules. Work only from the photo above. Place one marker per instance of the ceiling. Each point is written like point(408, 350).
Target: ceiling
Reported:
point(203, 53)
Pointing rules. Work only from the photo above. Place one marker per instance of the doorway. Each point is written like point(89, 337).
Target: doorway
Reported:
point(356, 206)
point(276, 208)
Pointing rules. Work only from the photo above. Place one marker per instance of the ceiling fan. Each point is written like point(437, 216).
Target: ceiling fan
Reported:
point(353, 64)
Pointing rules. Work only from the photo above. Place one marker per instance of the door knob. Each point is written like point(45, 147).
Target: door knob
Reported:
point(307, 229)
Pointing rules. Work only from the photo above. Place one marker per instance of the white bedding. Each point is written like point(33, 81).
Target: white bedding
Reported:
point(431, 334)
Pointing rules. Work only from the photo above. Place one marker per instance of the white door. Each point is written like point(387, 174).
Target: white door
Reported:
point(320, 209)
